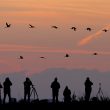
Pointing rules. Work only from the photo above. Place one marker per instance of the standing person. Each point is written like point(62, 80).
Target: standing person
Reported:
point(27, 88)
point(7, 90)
point(88, 88)
point(67, 95)
point(55, 90)
point(0, 91)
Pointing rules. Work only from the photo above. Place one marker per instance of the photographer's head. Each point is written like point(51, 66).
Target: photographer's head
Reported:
point(27, 79)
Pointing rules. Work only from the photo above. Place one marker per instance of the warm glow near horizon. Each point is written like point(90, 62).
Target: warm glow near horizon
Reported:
point(54, 44)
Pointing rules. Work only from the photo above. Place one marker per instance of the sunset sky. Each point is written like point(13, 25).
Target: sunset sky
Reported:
point(44, 41)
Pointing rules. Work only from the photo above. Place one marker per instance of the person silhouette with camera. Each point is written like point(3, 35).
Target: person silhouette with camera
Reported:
point(88, 88)
point(27, 89)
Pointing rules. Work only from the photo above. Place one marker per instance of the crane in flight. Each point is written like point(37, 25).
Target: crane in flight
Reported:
point(67, 55)
point(74, 28)
point(42, 57)
point(95, 53)
point(21, 57)
point(55, 27)
point(88, 29)
point(8, 25)
point(31, 26)
point(105, 30)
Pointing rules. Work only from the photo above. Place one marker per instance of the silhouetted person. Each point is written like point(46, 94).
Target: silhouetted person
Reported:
point(27, 88)
point(0, 91)
point(55, 90)
point(88, 88)
point(7, 90)
point(67, 95)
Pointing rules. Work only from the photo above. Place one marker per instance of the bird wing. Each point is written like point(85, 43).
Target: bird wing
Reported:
point(30, 25)
point(6, 23)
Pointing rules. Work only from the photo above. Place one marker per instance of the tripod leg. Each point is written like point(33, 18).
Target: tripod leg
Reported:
point(36, 94)
point(102, 94)
point(31, 92)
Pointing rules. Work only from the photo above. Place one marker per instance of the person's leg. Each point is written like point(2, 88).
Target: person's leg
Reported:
point(86, 94)
point(9, 95)
point(29, 96)
point(24, 96)
point(57, 97)
point(4, 97)
point(89, 93)
point(53, 97)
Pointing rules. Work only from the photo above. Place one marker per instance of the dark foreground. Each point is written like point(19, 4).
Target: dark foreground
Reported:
point(43, 105)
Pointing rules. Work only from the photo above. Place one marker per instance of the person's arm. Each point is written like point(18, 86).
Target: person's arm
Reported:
point(31, 83)
point(10, 83)
point(92, 83)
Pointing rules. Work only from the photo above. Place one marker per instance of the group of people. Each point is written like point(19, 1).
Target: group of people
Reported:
point(67, 92)
point(7, 89)
point(55, 85)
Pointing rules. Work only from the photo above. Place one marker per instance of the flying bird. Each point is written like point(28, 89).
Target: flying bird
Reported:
point(67, 55)
point(88, 29)
point(31, 26)
point(95, 53)
point(21, 57)
point(8, 25)
point(74, 28)
point(54, 27)
point(43, 57)
point(105, 30)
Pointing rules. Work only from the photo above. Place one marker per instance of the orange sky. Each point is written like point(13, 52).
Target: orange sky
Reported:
point(55, 11)
point(43, 40)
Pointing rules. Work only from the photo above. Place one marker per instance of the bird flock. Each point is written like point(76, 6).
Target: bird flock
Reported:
point(56, 27)
point(66, 56)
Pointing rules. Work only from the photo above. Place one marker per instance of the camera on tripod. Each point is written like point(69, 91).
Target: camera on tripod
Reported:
point(34, 92)
point(100, 94)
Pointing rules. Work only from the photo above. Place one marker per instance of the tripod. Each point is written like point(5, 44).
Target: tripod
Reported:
point(34, 92)
point(100, 93)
